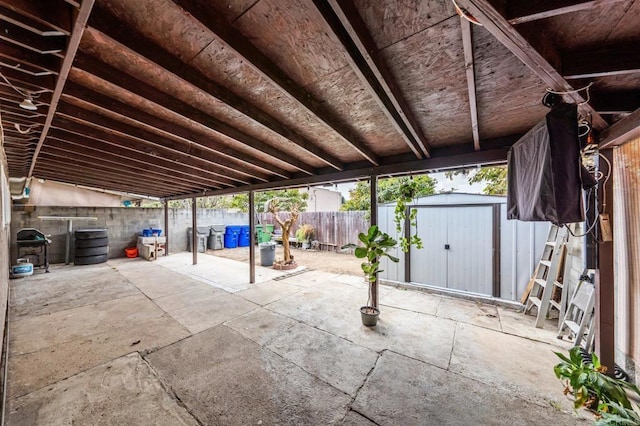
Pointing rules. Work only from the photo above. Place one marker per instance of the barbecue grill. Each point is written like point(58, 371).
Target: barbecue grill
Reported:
point(33, 243)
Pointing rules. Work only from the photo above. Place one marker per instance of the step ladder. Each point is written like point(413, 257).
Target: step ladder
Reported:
point(577, 323)
point(545, 278)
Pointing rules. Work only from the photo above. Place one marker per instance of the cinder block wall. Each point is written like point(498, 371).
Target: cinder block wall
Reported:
point(124, 225)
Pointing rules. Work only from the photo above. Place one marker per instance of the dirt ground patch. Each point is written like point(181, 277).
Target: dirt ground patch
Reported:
point(339, 263)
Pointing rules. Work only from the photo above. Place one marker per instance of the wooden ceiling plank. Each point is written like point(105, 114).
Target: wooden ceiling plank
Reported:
point(621, 132)
point(145, 151)
point(467, 44)
point(129, 164)
point(56, 176)
point(39, 84)
point(475, 158)
point(504, 32)
point(19, 36)
point(81, 122)
point(94, 119)
point(616, 102)
point(532, 10)
point(101, 169)
point(174, 66)
point(139, 88)
point(26, 57)
point(217, 24)
point(27, 23)
point(362, 53)
point(48, 13)
point(183, 171)
point(72, 47)
point(614, 60)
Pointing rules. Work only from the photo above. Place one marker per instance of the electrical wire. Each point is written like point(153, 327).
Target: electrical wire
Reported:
point(24, 93)
point(569, 92)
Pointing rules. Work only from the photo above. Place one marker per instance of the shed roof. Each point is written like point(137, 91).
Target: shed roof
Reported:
point(188, 97)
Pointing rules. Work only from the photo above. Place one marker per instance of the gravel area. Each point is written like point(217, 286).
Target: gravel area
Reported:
point(339, 263)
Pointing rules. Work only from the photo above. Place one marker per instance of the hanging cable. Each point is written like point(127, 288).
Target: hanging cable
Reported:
point(24, 93)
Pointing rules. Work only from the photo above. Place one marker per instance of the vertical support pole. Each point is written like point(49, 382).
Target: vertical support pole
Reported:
point(166, 227)
point(194, 234)
point(604, 279)
point(374, 221)
point(67, 247)
point(252, 238)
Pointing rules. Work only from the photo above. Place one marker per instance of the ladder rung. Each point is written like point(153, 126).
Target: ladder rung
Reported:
point(574, 326)
point(558, 284)
point(546, 263)
point(542, 283)
point(534, 300)
point(551, 243)
point(554, 304)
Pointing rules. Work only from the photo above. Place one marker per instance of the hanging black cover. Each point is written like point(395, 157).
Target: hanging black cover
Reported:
point(544, 171)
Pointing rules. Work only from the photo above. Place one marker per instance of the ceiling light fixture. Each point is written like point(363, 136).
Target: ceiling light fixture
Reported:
point(28, 104)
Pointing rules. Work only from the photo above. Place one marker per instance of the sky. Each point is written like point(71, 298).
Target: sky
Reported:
point(457, 184)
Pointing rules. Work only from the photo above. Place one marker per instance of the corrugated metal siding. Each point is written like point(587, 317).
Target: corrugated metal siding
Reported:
point(521, 243)
point(626, 234)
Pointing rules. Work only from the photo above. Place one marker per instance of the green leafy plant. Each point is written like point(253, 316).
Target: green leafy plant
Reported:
point(305, 232)
point(376, 245)
point(406, 193)
point(591, 388)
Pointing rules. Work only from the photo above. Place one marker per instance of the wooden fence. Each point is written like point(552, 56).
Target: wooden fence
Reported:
point(333, 229)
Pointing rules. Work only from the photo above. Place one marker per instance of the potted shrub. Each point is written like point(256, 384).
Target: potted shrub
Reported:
point(376, 245)
point(304, 234)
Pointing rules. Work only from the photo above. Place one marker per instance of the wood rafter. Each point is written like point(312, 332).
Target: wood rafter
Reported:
point(519, 12)
point(72, 47)
point(216, 23)
point(124, 83)
point(47, 13)
point(506, 34)
point(621, 132)
point(362, 53)
point(467, 44)
point(616, 102)
point(154, 54)
point(614, 60)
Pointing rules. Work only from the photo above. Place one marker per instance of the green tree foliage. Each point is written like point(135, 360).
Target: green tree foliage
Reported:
point(286, 197)
point(495, 178)
point(388, 191)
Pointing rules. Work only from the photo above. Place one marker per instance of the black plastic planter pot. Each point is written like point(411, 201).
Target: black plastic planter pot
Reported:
point(369, 315)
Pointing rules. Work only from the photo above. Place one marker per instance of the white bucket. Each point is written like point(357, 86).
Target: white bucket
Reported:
point(24, 268)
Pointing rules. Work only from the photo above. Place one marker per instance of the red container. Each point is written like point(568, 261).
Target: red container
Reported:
point(131, 252)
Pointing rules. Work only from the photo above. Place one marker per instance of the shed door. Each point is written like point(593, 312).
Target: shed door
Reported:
point(458, 248)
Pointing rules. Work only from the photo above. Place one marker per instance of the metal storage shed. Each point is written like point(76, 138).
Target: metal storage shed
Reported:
point(469, 246)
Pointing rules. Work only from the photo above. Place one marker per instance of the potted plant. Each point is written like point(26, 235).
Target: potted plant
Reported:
point(376, 245)
point(304, 234)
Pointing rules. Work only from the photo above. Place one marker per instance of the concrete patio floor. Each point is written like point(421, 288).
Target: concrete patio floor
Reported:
point(165, 342)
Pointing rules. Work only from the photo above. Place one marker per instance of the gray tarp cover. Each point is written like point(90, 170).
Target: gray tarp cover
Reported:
point(544, 171)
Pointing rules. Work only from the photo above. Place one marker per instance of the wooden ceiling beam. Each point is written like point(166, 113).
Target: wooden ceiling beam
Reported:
point(81, 122)
point(614, 60)
point(519, 12)
point(72, 47)
point(38, 84)
point(139, 88)
point(43, 45)
point(181, 146)
point(28, 23)
point(148, 168)
point(621, 132)
point(217, 24)
point(101, 171)
point(45, 63)
point(506, 34)
point(467, 45)
point(622, 102)
point(473, 159)
point(362, 53)
point(116, 154)
point(77, 132)
point(74, 179)
point(49, 13)
point(137, 44)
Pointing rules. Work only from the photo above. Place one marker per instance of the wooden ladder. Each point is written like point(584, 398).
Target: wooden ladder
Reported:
point(545, 277)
